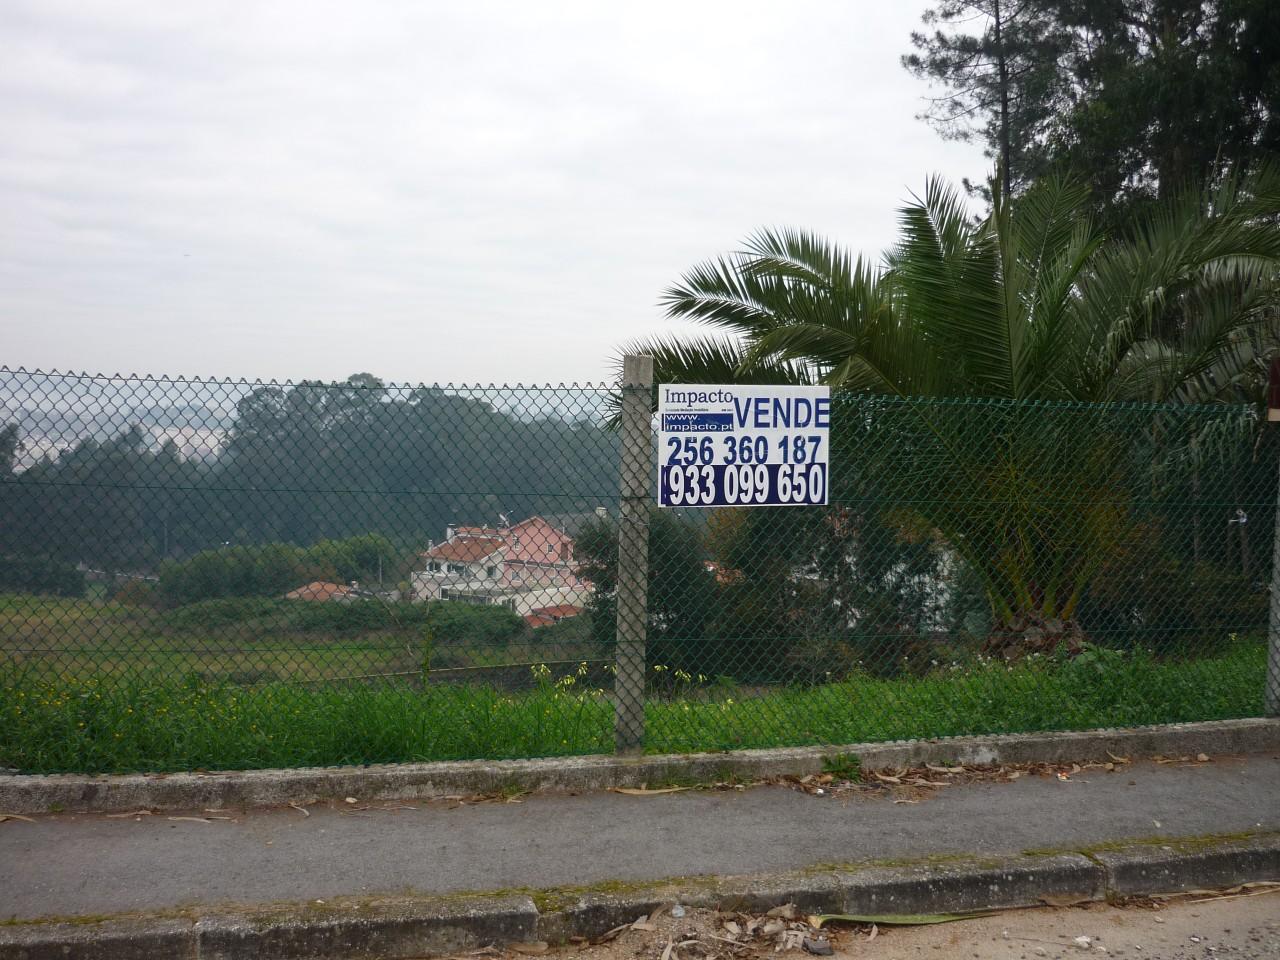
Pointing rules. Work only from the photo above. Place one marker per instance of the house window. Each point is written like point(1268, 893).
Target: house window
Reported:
point(457, 568)
point(564, 551)
point(551, 551)
point(434, 566)
point(491, 572)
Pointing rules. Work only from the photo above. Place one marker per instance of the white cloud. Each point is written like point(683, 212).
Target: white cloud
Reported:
point(481, 191)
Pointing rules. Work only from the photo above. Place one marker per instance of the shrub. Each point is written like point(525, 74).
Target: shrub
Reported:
point(40, 575)
point(354, 615)
point(571, 630)
point(221, 613)
point(272, 569)
point(463, 623)
point(134, 593)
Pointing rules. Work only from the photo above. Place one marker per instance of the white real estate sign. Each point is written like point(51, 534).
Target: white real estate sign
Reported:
point(743, 446)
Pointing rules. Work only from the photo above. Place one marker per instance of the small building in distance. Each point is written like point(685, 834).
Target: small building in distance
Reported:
point(546, 616)
point(322, 591)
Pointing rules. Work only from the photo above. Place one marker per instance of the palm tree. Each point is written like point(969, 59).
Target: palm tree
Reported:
point(952, 343)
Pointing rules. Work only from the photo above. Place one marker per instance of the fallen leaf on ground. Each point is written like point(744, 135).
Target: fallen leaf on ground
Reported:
point(14, 816)
point(787, 911)
point(1237, 896)
point(644, 925)
point(191, 819)
point(534, 948)
point(895, 920)
point(131, 813)
point(1202, 757)
point(791, 940)
point(1117, 759)
point(645, 791)
point(930, 766)
point(302, 810)
point(1056, 901)
point(882, 777)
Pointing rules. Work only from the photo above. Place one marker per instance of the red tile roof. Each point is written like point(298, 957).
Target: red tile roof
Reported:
point(465, 549)
point(545, 616)
point(560, 611)
point(321, 590)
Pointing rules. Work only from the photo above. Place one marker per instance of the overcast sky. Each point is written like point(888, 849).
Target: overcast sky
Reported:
point(464, 192)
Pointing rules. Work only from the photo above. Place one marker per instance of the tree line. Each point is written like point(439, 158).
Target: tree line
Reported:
point(300, 465)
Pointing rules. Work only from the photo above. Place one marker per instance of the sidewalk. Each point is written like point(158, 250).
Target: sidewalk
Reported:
point(68, 866)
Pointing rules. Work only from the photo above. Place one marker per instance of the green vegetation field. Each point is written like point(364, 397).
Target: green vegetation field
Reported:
point(139, 692)
point(257, 640)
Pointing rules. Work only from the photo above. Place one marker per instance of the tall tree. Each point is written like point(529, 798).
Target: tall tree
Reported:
point(996, 63)
point(1142, 97)
point(1167, 93)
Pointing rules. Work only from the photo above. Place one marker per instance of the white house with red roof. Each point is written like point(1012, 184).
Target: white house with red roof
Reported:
point(528, 568)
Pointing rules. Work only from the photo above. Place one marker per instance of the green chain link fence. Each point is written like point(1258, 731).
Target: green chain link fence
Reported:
point(225, 574)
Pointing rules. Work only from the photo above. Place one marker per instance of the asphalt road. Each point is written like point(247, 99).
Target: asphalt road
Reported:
point(74, 865)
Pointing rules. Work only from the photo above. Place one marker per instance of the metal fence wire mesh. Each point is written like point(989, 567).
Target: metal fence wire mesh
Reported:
point(225, 574)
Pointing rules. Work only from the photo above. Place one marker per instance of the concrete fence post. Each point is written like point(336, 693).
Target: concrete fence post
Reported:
point(633, 554)
point(1271, 694)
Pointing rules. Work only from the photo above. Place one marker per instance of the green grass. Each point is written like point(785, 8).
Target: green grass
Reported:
point(249, 640)
point(134, 721)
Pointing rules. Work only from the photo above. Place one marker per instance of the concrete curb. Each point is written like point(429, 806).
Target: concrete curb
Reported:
point(1176, 867)
point(75, 793)
point(417, 927)
point(404, 928)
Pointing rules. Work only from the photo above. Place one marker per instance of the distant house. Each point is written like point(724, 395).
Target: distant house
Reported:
point(545, 616)
point(525, 567)
point(325, 592)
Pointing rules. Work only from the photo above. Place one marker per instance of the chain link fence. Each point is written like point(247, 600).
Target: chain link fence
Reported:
point(224, 574)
